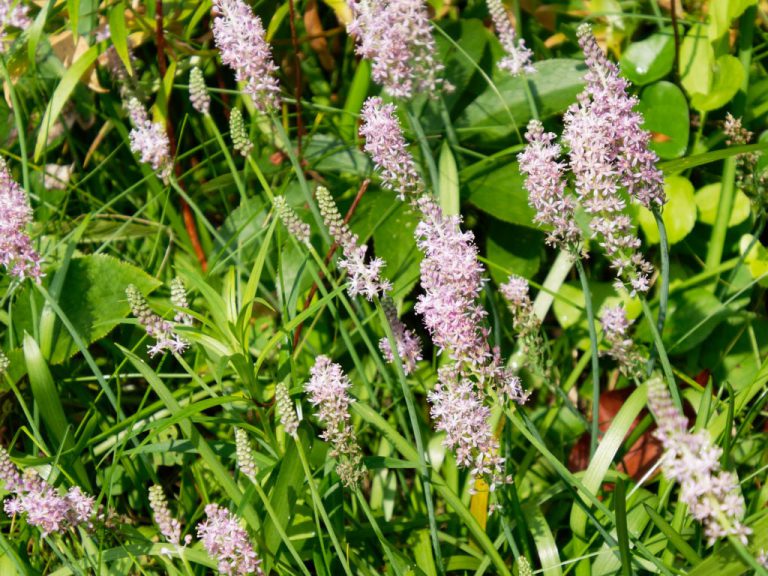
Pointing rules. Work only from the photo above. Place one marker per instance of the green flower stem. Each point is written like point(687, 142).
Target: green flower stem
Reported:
point(413, 416)
point(377, 530)
point(662, 353)
point(278, 526)
point(719, 230)
point(664, 289)
point(426, 152)
point(595, 362)
point(321, 508)
point(211, 125)
point(21, 133)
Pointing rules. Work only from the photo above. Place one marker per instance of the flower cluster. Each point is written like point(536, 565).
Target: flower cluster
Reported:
point(712, 495)
point(328, 390)
point(408, 344)
point(452, 280)
point(622, 349)
point(749, 178)
point(12, 14)
point(545, 182)
point(227, 542)
point(291, 221)
point(287, 410)
point(396, 36)
point(237, 131)
point(42, 504)
point(608, 155)
point(244, 452)
point(385, 143)
point(169, 526)
point(179, 301)
point(240, 37)
point(518, 57)
point(198, 91)
point(364, 277)
point(4, 363)
point(525, 322)
point(17, 255)
point(158, 328)
point(149, 140)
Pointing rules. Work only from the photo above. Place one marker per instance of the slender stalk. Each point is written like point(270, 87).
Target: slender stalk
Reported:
point(662, 353)
point(377, 530)
point(321, 508)
point(414, 418)
point(426, 151)
point(20, 131)
point(664, 290)
point(595, 361)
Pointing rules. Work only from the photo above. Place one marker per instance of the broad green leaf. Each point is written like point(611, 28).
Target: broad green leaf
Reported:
point(49, 404)
point(679, 213)
point(665, 111)
point(722, 13)
point(708, 203)
point(449, 181)
point(394, 241)
point(649, 59)
point(606, 452)
point(696, 61)
point(283, 496)
point(353, 103)
point(119, 34)
point(755, 256)
point(691, 317)
point(495, 116)
point(61, 96)
point(518, 250)
point(499, 191)
point(728, 76)
point(93, 298)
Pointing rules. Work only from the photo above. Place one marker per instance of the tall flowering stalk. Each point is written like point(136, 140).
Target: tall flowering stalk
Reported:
point(244, 452)
point(158, 328)
point(17, 255)
point(286, 410)
point(396, 36)
point(13, 14)
point(622, 348)
point(328, 390)
point(364, 277)
point(227, 543)
point(385, 143)
point(610, 161)
point(169, 526)
point(295, 225)
point(452, 280)
point(149, 140)
point(748, 177)
point(517, 59)
point(41, 504)
point(240, 37)
point(407, 342)
point(180, 302)
point(198, 91)
point(713, 496)
point(239, 135)
point(516, 292)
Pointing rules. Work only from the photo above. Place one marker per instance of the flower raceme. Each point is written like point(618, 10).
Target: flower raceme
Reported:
point(43, 505)
point(17, 255)
point(328, 390)
point(239, 35)
point(386, 145)
point(396, 36)
point(518, 57)
point(161, 330)
point(149, 140)
point(608, 158)
point(227, 542)
point(713, 496)
point(364, 277)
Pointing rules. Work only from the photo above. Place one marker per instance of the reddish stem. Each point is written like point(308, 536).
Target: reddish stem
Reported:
point(298, 78)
